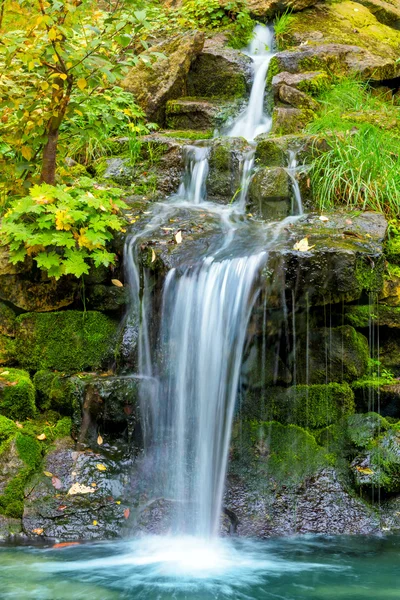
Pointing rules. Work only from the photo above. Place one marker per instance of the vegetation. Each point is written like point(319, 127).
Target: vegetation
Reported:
point(282, 25)
point(361, 168)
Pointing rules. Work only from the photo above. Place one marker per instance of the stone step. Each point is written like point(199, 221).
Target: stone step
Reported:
point(197, 113)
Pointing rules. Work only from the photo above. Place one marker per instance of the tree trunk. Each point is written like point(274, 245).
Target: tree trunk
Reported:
point(49, 161)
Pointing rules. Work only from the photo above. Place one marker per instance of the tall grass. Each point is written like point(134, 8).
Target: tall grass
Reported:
point(282, 26)
point(361, 169)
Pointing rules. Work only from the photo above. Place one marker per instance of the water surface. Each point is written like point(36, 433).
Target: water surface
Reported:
point(162, 568)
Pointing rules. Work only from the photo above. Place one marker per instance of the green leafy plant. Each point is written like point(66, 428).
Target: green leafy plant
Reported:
point(282, 26)
point(64, 229)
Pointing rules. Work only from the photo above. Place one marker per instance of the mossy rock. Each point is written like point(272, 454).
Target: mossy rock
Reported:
point(286, 121)
point(7, 350)
point(55, 391)
point(283, 454)
point(365, 316)
point(334, 354)
point(17, 394)
point(69, 341)
point(269, 193)
point(312, 82)
point(7, 319)
point(8, 429)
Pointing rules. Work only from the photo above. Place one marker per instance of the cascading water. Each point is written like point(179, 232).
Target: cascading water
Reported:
point(206, 307)
point(291, 170)
point(253, 121)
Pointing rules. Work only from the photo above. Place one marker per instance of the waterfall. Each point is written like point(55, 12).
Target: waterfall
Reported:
point(193, 186)
point(253, 121)
point(291, 170)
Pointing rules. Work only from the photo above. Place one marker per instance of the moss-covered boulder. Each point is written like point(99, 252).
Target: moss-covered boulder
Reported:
point(193, 113)
point(269, 193)
point(157, 81)
point(7, 350)
point(311, 83)
point(286, 121)
point(387, 12)
point(7, 320)
point(69, 341)
point(225, 162)
point(332, 354)
point(341, 37)
point(377, 393)
point(296, 98)
point(365, 315)
point(17, 394)
point(219, 72)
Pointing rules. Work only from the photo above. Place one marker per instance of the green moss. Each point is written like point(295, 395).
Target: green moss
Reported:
point(273, 69)
point(316, 85)
point(363, 428)
point(392, 248)
point(29, 450)
point(68, 341)
point(189, 135)
point(63, 428)
point(12, 498)
point(364, 316)
point(17, 394)
point(7, 319)
point(7, 349)
point(57, 392)
point(369, 275)
point(8, 429)
point(287, 454)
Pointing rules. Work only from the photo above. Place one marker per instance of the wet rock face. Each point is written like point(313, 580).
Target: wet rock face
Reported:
point(79, 501)
point(269, 193)
point(165, 79)
point(194, 114)
point(271, 8)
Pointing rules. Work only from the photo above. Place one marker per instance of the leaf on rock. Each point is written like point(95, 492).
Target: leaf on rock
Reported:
point(127, 512)
point(99, 440)
point(117, 283)
point(38, 531)
point(365, 470)
point(95, 522)
point(178, 237)
point(65, 544)
point(153, 255)
point(56, 483)
point(41, 437)
point(48, 474)
point(101, 467)
point(323, 218)
point(302, 245)
point(79, 488)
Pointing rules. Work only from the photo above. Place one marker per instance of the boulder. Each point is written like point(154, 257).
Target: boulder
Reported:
point(341, 39)
point(155, 82)
point(271, 8)
point(286, 121)
point(7, 320)
point(269, 193)
point(296, 98)
point(193, 113)
point(273, 151)
point(310, 82)
point(365, 316)
point(225, 164)
point(387, 13)
point(17, 395)
point(219, 72)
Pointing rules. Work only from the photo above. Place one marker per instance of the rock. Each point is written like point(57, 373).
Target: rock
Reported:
point(271, 8)
point(219, 72)
point(7, 350)
point(340, 39)
point(192, 113)
point(387, 13)
point(296, 98)
point(17, 394)
point(273, 151)
point(106, 297)
point(225, 163)
point(290, 120)
point(377, 393)
point(100, 513)
point(365, 316)
point(68, 341)
point(165, 78)
point(269, 193)
point(390, 514)
point(7, 320)
point(309, 83)
point(119, 170)
point(11, 463)
point(334, 354)
point(9, 528)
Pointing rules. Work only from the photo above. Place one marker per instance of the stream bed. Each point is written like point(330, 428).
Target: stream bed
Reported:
point(154, 568)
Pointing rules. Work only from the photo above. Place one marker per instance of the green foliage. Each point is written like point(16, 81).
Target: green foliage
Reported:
point(65, 229)
point(56, 392)
point(282, 25)
point(68, 341)
point(17, 394)
point(8, 429)
point(89, 132)
point(361, 168)
point(63, 50)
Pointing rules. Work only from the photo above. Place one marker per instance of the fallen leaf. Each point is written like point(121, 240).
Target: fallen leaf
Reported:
point(12, 383)
point(349, 222)
point(93, 484)
point(79, 488)
point(153, 255)
point(99, 440)
point(118, 502)
point(128, 410)
point(302, 245)
point(178, 237)
point(56, 483)
point(308, 183)
point(65, 544)
point(38, 531)
point(62, 507)
point(41, 437)
point(127, 512)
point(323, 218)
point(167, 228)
point(95, 523)
point(365, 470)
point(117, 282)
point(19, 425)
point(4, 373)
point(48, 474)
point(101, 467)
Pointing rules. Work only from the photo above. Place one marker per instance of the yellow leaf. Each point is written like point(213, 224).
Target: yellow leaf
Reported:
point(178, 237)
point(63, 76)
point(31, 65)
point(117, 282)
point(365, 470)
point(93, 484)
point(101, 467)
point(52, 34)
point(69, 65)
point(55, 58)
point(78, 112)
point(38, 531)
point(118, 502)
point(95, 523)
point(4, 373)
point(41, 437)
point(99, 440)
point(81, 83)
point(323, 218)
point(19, 425)
point(26, 152)
point(302, 245)
point(79, 488)
point(44, 85)
point(153, 255)
point(48, 474)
